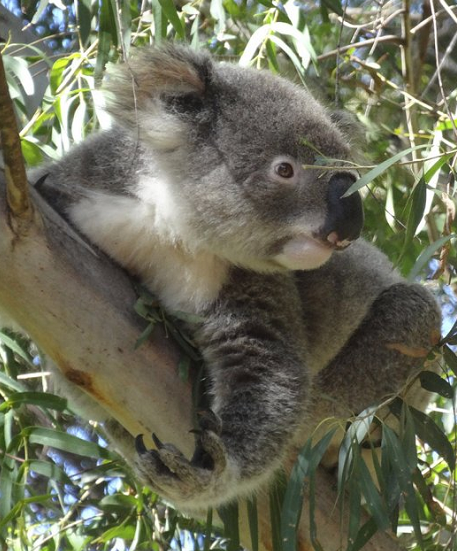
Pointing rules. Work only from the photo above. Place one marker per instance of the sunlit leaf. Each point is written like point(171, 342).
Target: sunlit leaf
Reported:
point(380, 169)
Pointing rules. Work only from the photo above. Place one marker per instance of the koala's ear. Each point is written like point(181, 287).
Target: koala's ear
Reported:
point(158, 92)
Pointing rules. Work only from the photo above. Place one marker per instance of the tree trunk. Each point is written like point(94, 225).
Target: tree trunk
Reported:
point(78, 307)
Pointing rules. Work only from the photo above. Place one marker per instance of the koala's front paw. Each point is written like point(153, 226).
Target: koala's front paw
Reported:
point(198, 483)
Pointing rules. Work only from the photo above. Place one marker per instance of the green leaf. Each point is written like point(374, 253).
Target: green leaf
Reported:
point(373, 500)
point(57, 73)
point(229, 515)
point(118, 501)
point(408, 437)
point(64, 441)
point(434, 383)
point(125, 531)
point(428, 431)
point(11, 383)
point(380, 169)
point(276, 500)
point(366, 532)
point(334, 6)
point(315, 458)
point(253, 45)
point(84, 19)
point(450, 358)
point(171, 14)
point(402, 470)
point(209, 529)
point(16, 347)
point(42, 5)
point(427, 254)
point(354, 499)
point(31, 151)
point(217, 11)
point(7, 480)
point(15, 512)
point(356, 432)
point(20, 69)
point(49, 470)
point(253, 523)
point(293, 499)
point(42, 399)
point(147, 332)
point(106, 36)
point(160, 22)
point(416, 209)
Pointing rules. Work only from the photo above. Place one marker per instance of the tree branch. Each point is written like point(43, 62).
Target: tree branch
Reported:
point(16, 179)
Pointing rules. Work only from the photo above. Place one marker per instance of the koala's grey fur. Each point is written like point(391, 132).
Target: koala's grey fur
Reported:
point(199, 190)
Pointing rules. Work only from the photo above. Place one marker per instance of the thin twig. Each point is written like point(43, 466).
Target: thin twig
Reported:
point(408, 76)
point(390, 39)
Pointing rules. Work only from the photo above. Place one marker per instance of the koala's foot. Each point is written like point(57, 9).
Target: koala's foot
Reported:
point(190, 484)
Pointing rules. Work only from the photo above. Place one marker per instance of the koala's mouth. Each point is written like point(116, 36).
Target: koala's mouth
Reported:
point(333, 241)
point(304, 252)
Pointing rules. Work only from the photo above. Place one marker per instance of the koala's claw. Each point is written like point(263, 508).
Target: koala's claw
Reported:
point(157, 442)
point(172, 475)
point(139, 444)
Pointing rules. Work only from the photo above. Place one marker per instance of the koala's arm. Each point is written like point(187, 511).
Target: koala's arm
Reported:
point(370, 339)
point(254, 350)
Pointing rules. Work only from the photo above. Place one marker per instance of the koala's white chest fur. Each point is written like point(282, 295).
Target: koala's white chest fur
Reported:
point(133, 234)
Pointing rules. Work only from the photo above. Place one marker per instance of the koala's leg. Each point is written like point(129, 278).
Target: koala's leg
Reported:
point(255, 355)
point(393, 339)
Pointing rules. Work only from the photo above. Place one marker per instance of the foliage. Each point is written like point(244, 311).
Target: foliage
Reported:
point(393, 65)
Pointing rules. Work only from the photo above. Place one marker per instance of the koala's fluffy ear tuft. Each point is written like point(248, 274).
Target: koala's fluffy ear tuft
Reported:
point(153, 91)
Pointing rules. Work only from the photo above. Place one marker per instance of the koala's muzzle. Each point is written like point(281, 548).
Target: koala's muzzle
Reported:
point(344, 220)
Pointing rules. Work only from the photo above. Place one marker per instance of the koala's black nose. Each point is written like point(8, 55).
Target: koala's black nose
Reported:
point(344, 220)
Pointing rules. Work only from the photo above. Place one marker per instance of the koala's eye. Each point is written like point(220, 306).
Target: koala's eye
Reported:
point(284, 170)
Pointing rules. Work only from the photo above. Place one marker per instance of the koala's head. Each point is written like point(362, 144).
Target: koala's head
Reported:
point(224, 149)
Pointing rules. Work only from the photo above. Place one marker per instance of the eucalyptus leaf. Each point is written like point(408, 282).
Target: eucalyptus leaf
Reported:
point(66, 442)
point(434, 383)
point(400, 467)
point(169, 9)
point(380, 169)
point(230, 517)
point(450, 358)
point(427, 254)
point(42, 399)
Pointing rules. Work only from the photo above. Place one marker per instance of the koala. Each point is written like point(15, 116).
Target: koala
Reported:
point(204, 188)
